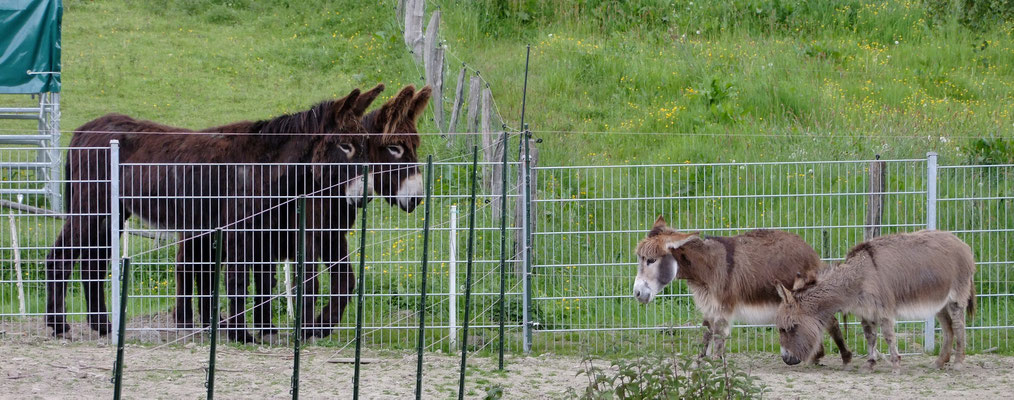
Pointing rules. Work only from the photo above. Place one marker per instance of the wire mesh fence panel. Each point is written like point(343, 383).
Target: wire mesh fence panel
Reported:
point(177, 206)
point(975, 202)
point(586, 223)
point(590, 219)
point(62, 252)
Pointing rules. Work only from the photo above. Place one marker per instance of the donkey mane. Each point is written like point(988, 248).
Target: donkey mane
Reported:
point(316, 119)
point(861, 247)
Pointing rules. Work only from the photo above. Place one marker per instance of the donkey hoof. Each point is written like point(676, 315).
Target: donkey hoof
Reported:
point(957, 366)
point(871, 365)
point(102, 328)
point(60, 330)
point(241, 336)
point(846, 358)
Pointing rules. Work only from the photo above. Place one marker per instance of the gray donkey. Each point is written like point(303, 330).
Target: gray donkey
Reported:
point(906, 275)
point(730, 277)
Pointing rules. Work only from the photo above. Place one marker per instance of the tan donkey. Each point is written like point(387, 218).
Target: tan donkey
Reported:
point(907, 275)
point(730, 277)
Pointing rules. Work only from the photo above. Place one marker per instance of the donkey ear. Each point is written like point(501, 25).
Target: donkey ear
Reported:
point(784, 293)
point(675, 245)
point(799, 283)
point(364, 100)
point(394, 110)
point(347, 103)
point(659, 222)
point(422, 98)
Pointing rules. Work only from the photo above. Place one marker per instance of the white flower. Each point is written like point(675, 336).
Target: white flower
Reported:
point(698, 32)
point(550, 35)
point(895, 42)
point(943, 139)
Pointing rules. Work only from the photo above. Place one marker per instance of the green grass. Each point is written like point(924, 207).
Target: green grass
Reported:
point(641, 82)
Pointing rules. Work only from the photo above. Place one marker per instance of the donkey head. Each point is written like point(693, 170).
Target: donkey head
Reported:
point(800, 323)
point(656, 266)
point(393, 145)
point(345, 144)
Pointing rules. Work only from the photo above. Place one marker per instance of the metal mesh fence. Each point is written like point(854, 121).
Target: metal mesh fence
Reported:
point(29, 230)
point(975, 203)
point(586, 222)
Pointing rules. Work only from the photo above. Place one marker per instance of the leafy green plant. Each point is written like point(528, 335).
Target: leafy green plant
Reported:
point(672, 376)
point(494, 392)
point(991, 151)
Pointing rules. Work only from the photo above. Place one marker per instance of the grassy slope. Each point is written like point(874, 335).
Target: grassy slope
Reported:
point(841, 79)
point(196, 64)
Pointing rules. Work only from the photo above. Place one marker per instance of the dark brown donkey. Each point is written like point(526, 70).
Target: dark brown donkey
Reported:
point(392, 147)
point(729, 277)
point(392, 152)
point(177, 195)
point(906, 275)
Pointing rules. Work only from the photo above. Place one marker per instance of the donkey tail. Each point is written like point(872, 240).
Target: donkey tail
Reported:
point(970, 309)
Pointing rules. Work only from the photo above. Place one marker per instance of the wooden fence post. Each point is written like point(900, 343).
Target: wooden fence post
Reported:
point(875, 200)
point(471, 119)
point(414, 11)
point(459, 94)
point(399, 10)
point(488, 142)
point(433, 64)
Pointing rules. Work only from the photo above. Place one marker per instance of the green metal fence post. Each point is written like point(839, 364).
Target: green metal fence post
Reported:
point(297, 329)
point(359, 288)
point(215, 318)
point(425, 265)
point(468, 276)
point(121, 328)
point(503, 242)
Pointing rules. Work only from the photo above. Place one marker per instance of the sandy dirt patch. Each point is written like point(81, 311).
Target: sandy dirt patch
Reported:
point(50, 368)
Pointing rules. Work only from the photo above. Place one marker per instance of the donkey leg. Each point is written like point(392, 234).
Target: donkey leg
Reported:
point(870, 332)
point(706, 339)
point(721, 328)
point(957, 313)
point(945, 347)
point(343, 283)
point(264, 281)
point(311, 286)
point(237, 278)
point(59, 265)
point(94, 268)
point(887, 329)
point(184, 311)
point(839, 341)
point(818, 355)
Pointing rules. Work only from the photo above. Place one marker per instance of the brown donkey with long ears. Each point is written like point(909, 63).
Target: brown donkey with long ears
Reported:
point(729, 277)
point(392, 143)
point(215, 183)
point(392, 150)
point(905, 275)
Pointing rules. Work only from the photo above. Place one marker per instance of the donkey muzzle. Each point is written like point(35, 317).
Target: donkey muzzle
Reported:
point(789, 358)
point(354, 192)
point(643, 292)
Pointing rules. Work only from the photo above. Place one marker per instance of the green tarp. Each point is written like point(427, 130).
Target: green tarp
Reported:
point(30, 41)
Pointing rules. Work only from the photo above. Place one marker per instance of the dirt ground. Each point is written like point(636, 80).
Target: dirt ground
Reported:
point(51, 368)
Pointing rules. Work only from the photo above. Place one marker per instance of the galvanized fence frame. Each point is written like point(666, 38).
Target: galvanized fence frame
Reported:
point(584, 223)
point(582, 298)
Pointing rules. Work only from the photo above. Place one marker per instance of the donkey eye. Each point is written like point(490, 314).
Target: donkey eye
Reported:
point(396, 150)
point(348, 149)
point(650, 261)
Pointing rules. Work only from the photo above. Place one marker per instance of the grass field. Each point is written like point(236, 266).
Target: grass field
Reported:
point(643, 82)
